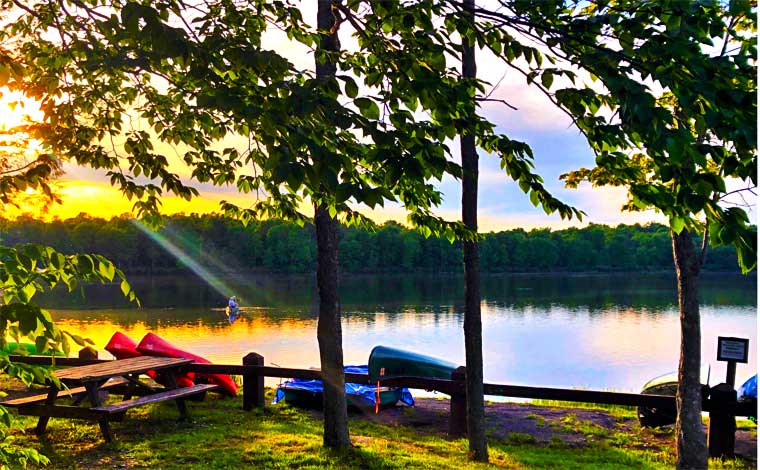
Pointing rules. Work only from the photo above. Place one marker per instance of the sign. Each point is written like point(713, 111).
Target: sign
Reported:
point(733, 349)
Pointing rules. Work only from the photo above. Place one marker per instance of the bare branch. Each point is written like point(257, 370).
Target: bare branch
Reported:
point(497, 101)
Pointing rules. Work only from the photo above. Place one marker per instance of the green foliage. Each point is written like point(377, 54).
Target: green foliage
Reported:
point(683, 87)
point(26, 270)
point(202, 77)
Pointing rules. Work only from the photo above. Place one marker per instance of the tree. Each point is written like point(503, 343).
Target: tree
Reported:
point(197, 74)
point(411, 27)
point(676, 150)
point(473, 327)
point(28, 269)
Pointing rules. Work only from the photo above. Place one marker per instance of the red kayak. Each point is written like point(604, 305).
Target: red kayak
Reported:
point(152, 345)
point(122, 346)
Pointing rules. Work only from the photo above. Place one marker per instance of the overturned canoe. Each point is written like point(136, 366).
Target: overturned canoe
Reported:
point(11, 348)
point(666, 384)
point(385, 362)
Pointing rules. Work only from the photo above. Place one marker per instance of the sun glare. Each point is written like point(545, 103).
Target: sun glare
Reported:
point(16, 109)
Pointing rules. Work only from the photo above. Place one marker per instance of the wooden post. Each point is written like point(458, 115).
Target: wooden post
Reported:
point(721, 434)
point(458, 411)
point(253, 384)
point(731, 373)
point(88, 352)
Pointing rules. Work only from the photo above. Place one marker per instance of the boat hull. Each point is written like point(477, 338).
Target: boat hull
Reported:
point(667, 384)
point(385, 362)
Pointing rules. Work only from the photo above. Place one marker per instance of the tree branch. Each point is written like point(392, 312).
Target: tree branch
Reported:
point(497, 101)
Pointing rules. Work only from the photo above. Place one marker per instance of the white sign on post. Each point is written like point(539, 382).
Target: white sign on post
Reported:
point(733, 349)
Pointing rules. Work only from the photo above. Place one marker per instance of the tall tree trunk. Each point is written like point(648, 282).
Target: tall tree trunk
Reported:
point(329, 333)
point(690, 436)
point(473, 329)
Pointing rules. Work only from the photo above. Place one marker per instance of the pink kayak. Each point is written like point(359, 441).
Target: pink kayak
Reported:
point(122, 346)
point(153, 345)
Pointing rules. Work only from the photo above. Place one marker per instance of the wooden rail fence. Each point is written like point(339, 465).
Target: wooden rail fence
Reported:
point(718, 401)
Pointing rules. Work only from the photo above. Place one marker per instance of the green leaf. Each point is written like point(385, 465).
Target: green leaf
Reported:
point(85, 264)
point(106, 269)
point(677, 224)
point(547, 78)
point(368, 108)
point(352, 90)
point(27, 292)
point(41, 343)
point(125, 287)
point(534, 198)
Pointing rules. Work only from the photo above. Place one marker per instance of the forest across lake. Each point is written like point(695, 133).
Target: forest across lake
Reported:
point(278, 246)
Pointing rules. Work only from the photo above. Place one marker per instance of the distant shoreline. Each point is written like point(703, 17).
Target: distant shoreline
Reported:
point(425, 273)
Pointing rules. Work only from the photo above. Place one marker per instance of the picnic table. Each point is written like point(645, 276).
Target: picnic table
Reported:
point(86, 383)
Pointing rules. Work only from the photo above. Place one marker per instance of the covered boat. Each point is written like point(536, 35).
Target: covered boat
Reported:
point(748, 393)
point(385, 362)
point(666, 384)
point(308, 393)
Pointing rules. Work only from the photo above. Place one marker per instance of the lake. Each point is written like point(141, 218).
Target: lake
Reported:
point(600, 331)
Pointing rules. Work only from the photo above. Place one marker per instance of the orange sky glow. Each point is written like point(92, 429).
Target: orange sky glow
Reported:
point(85, 191)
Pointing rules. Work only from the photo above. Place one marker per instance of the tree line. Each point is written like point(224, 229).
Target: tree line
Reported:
point(282, 246)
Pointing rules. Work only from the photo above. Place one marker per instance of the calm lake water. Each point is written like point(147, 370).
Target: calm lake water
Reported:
point(590, 331)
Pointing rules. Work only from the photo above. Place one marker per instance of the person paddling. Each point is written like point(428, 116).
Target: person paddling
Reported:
point(232, 309)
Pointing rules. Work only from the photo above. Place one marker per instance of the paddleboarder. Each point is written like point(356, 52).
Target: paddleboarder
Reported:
point(232, 309)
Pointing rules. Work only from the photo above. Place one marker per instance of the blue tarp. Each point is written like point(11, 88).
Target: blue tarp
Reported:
point(749, 388)
point(361, 394)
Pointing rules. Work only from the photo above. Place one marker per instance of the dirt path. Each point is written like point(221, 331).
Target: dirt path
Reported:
point(523, 423)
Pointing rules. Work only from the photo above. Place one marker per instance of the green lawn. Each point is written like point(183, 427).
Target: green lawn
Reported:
point(220, 435)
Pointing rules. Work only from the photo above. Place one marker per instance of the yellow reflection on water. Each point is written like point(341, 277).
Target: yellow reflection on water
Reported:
point(287, 342)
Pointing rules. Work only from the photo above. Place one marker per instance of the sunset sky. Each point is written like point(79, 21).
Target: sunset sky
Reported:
point(557, 145)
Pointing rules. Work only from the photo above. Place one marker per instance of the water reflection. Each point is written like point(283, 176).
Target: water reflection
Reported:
point(609, 332)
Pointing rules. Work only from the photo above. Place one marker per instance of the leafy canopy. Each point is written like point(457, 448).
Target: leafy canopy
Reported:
point(198, 77)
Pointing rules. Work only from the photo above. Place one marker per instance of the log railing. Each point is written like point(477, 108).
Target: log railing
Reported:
point(722, 406)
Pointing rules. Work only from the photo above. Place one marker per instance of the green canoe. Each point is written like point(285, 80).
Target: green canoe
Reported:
point(10, 348)
point(31, 349)
point(385, 362)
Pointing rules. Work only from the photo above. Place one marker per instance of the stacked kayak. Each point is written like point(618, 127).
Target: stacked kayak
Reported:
point(123, 347)
point(308, 393)
point(384, 363)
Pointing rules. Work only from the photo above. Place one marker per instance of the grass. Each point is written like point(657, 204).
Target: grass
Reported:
point(219, 435)
point(617, 411)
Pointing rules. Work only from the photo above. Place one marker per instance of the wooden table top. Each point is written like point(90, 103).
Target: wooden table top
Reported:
point(105, 370)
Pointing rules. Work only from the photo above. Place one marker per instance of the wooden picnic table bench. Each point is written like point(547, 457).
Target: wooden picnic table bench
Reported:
point(89, 380)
